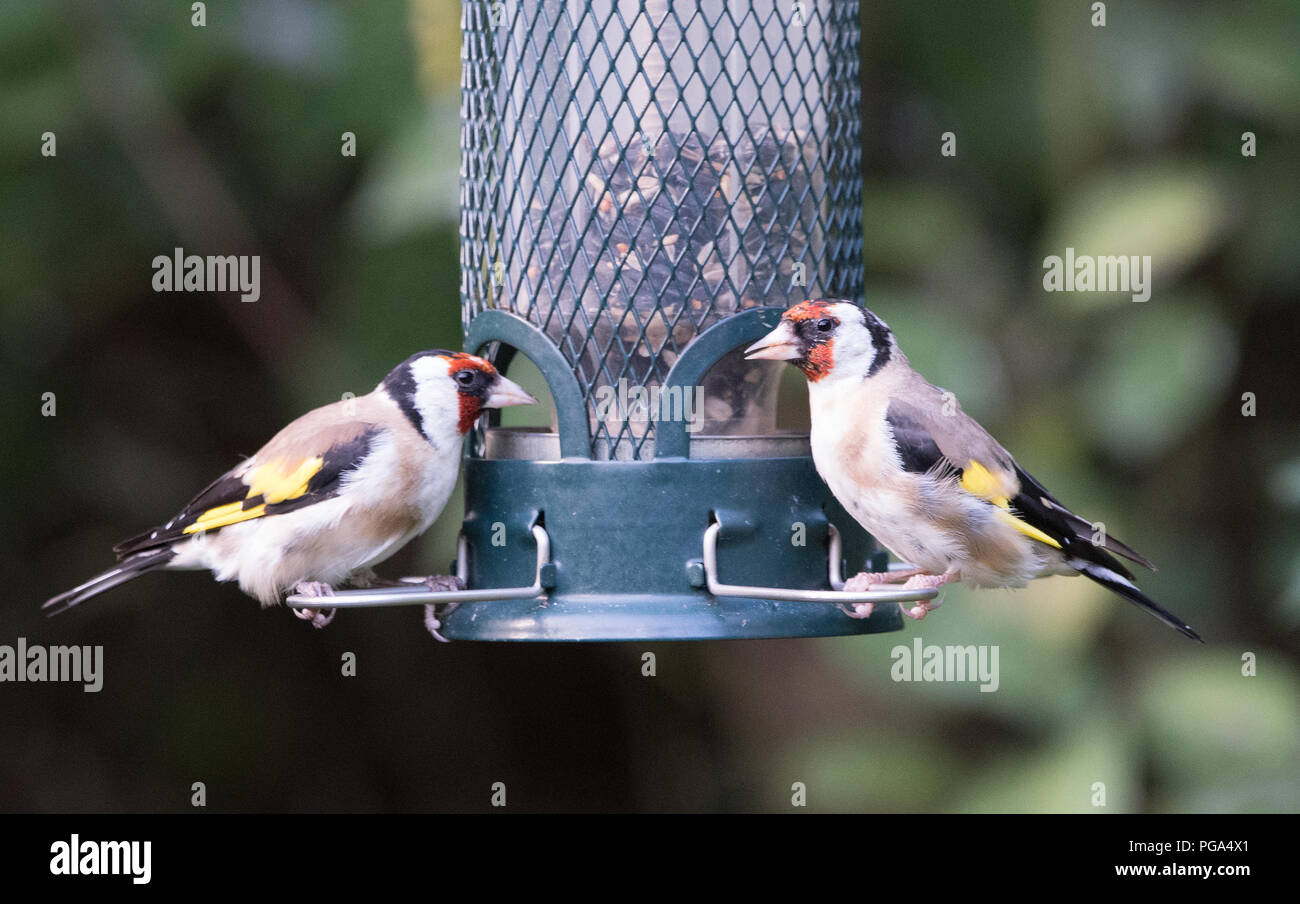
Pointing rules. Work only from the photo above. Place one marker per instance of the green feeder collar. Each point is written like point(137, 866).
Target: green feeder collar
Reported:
point(671, 548)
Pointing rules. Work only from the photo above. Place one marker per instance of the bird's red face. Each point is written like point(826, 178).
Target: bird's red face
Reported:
point(479, 386)
point(442, 393)
point(805, 338)
point(825, 337)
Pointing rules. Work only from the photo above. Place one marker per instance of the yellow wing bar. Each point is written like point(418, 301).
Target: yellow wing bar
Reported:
point(272, 481)
point(274, 484)
point(979, 481)
point(225, 515)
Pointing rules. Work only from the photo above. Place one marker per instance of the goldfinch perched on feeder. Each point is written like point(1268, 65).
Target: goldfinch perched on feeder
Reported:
point(335, 492)
point(923, 477)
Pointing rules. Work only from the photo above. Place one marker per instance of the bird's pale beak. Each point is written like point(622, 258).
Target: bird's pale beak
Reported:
point(779, 345)
point(506, 393)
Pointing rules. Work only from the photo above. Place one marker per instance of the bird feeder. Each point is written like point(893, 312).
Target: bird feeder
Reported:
point(645, 187)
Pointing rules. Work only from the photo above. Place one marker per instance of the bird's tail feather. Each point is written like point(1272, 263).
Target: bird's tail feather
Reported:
point(1116, 582)
point(128, 569)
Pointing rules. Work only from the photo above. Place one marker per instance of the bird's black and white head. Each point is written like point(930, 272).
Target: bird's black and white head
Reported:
point(442, 393)
point(829, 340)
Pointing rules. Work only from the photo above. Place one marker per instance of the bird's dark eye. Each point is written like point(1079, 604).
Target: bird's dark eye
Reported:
point(465, 377)
point(825, 324)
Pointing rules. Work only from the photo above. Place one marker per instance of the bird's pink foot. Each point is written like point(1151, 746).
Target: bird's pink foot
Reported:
point(925, 582)
point(441, 583)
point(435, 612)
point(318, 617)
point(865, 581)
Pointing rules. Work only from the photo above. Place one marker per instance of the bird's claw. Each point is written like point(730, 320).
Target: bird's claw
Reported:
point(865, 581)
point(319, 618)
point(868, 579)
point(440, 583)
point(920, 610)
point(924, 582)
point(916, 580)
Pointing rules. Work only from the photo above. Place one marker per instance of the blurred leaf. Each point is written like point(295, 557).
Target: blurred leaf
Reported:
point(1041, 635)
point(1173, 213)
point(1290, 597)
point(1061, 777)
point(905, 222)
point(1250, 62)
point(415, 182)
point(437, 45)
point(1161, 370)
point(1284, 483)
point(870, 771)
point(1209, 726)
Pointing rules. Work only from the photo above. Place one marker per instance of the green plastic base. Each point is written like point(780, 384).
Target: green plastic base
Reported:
point(626, 543)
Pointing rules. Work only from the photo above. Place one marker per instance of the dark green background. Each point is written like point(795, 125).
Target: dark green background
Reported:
point(1123, 139)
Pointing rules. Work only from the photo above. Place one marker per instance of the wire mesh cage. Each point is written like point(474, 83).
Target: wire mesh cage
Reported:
point(635, 171)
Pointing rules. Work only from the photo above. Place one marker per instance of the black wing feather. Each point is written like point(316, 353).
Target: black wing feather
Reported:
point(916, 447)
point(230, 488)
point(1041, 509)
point(920, 453)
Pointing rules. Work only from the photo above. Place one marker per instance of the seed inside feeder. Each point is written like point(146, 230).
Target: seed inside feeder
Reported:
point(673, 236)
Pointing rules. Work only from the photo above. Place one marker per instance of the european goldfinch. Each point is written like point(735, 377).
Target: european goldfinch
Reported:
point(335, 492)
point(923, 477)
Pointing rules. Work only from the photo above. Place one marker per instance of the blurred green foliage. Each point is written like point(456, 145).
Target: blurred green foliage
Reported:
point(1124, 139)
